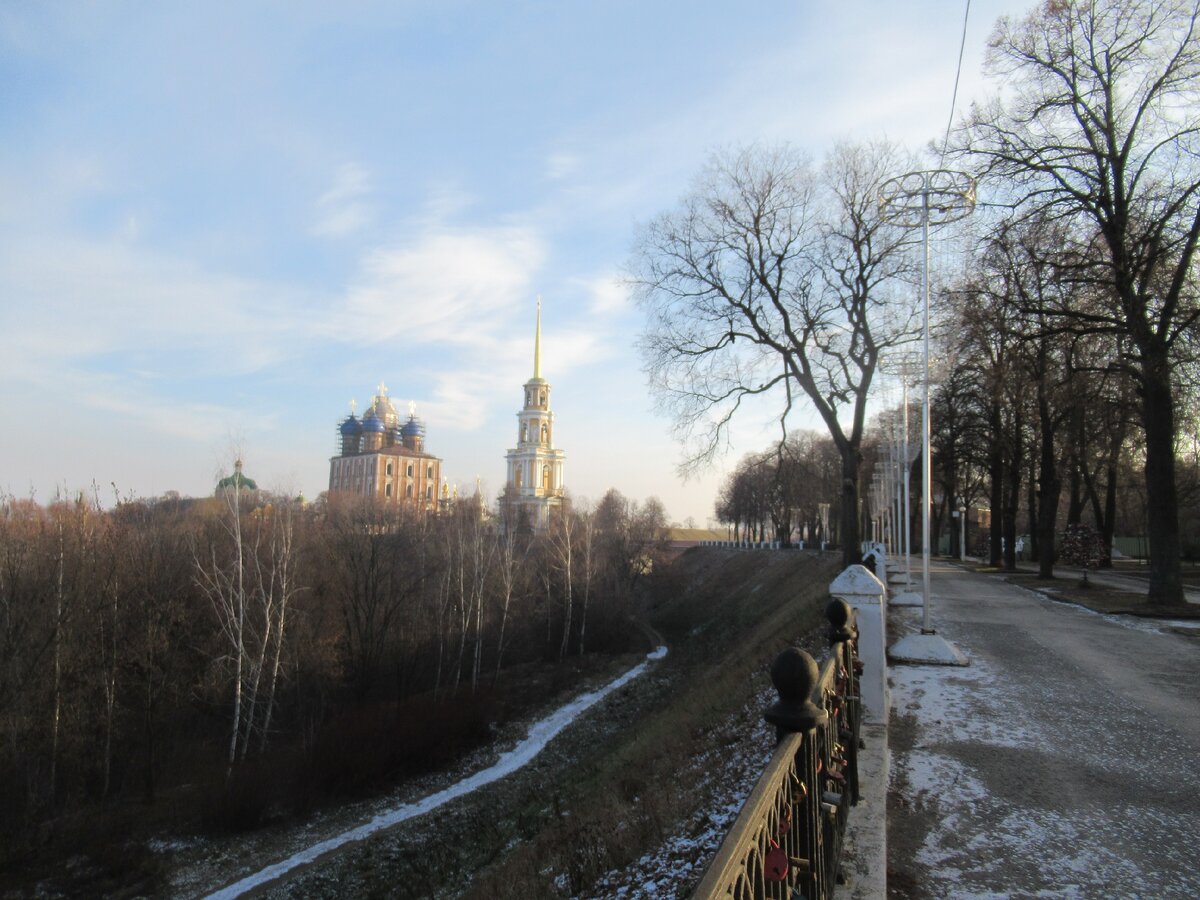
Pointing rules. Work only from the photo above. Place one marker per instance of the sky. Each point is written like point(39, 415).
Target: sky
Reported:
point(222, 222)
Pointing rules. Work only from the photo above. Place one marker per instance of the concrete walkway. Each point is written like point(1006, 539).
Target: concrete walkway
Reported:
point(1063, 762)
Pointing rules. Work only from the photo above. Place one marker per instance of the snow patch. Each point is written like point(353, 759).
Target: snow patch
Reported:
point(540, 734)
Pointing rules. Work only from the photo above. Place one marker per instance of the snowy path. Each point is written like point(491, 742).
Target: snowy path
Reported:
point(540, 734)
point(1061, 763)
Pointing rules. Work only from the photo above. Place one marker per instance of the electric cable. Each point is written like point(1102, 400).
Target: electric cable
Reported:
point(957, 74)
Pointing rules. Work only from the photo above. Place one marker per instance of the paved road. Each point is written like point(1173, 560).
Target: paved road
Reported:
point(1063, 762)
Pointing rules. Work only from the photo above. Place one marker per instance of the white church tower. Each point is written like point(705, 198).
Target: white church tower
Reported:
point(534, 485)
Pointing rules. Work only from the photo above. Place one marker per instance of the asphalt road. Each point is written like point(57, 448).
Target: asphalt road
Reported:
point(1063, 762)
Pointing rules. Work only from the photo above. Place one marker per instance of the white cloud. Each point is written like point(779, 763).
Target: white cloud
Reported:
point(443, 201)
point(70, 302)
point(609, 295)
point(343, 210)
point(562, 165)
point(445, 287)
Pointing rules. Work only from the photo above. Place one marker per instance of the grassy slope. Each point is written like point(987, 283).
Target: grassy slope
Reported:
point(725, 615)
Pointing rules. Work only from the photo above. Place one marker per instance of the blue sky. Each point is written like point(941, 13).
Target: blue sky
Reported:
point(220, 222)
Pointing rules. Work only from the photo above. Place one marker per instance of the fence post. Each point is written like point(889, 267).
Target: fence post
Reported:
point(843, 632)
point(865, 594)
point(794, 674)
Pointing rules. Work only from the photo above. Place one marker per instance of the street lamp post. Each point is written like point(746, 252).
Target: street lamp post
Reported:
point(962, 533)
point(931, 197)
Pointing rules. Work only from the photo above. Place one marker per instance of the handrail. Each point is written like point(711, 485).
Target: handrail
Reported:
point(787, 840)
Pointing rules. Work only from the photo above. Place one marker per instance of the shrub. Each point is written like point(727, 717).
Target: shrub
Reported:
point(1081, 545)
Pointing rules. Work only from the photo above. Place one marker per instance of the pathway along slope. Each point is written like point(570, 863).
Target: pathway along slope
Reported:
point(540, 734)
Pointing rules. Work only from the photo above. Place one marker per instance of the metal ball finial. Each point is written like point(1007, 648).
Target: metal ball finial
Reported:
point(794, 674)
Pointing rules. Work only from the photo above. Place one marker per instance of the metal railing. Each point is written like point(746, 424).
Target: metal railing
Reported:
point(787, 839)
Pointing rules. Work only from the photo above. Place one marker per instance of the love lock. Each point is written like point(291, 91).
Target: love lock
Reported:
point(775, 864)
point(836, 776)
point(785, 821)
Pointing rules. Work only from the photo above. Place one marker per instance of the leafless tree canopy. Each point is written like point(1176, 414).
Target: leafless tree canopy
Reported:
point(775, 278)
point(772, 276)
point(1098, 126)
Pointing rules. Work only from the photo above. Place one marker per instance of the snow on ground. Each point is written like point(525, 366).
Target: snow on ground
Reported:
point(1061, 839)
point(540, 734)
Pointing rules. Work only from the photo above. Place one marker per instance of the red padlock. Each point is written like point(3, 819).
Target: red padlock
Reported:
point(775, 865)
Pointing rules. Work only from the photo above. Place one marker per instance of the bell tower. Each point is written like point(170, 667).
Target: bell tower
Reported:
point(534, 483)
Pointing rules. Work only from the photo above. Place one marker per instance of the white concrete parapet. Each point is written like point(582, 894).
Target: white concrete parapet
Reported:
point(865, 593)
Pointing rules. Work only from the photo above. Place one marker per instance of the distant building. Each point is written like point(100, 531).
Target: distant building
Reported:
point(534, 484)
point(385, 458)
point(238, 481)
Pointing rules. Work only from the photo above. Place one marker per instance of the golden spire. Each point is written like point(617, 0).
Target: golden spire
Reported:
point(537, 342)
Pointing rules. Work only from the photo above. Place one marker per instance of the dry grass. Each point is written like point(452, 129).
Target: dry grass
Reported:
point(725, 616)
point(1101, 598)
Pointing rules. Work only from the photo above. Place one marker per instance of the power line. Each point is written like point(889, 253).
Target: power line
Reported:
point(957, 73)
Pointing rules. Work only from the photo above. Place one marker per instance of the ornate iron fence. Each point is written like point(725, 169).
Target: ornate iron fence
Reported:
point(787, 839)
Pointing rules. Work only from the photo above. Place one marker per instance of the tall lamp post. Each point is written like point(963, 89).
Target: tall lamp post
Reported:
point(902, 365)
point(921, 199)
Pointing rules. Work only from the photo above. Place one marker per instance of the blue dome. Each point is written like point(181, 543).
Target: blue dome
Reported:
point(414, 427)
point(371, 423)
point(351, 426)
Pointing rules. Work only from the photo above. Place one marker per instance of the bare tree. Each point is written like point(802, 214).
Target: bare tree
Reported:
point(512, 550)
point(1099, 125)
point(563, 535)
point(775, 280)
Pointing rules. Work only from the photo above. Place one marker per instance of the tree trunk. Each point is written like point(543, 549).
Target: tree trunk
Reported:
point(850, 536)
point(1047, 507)
point(1032, 503)
point(1051, 487)
point(996, 493)
point(1158, 416)
point(1109, 521)
point(1013, 494)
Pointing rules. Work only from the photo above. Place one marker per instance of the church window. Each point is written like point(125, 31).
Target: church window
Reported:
point(410, 470)
point(429, 492)
point(429, 471)
point(387, 491)
point(524, 435)
point(545, 434)
point(542, 399)
point(389, 468)
point(408, 491)
point(520, 471)
point(546, 477)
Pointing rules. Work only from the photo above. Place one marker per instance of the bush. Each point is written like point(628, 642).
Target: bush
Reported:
point(1081, 545)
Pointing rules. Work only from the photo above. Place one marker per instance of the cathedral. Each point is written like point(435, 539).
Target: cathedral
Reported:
point(534, 484)
point(382, 457)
